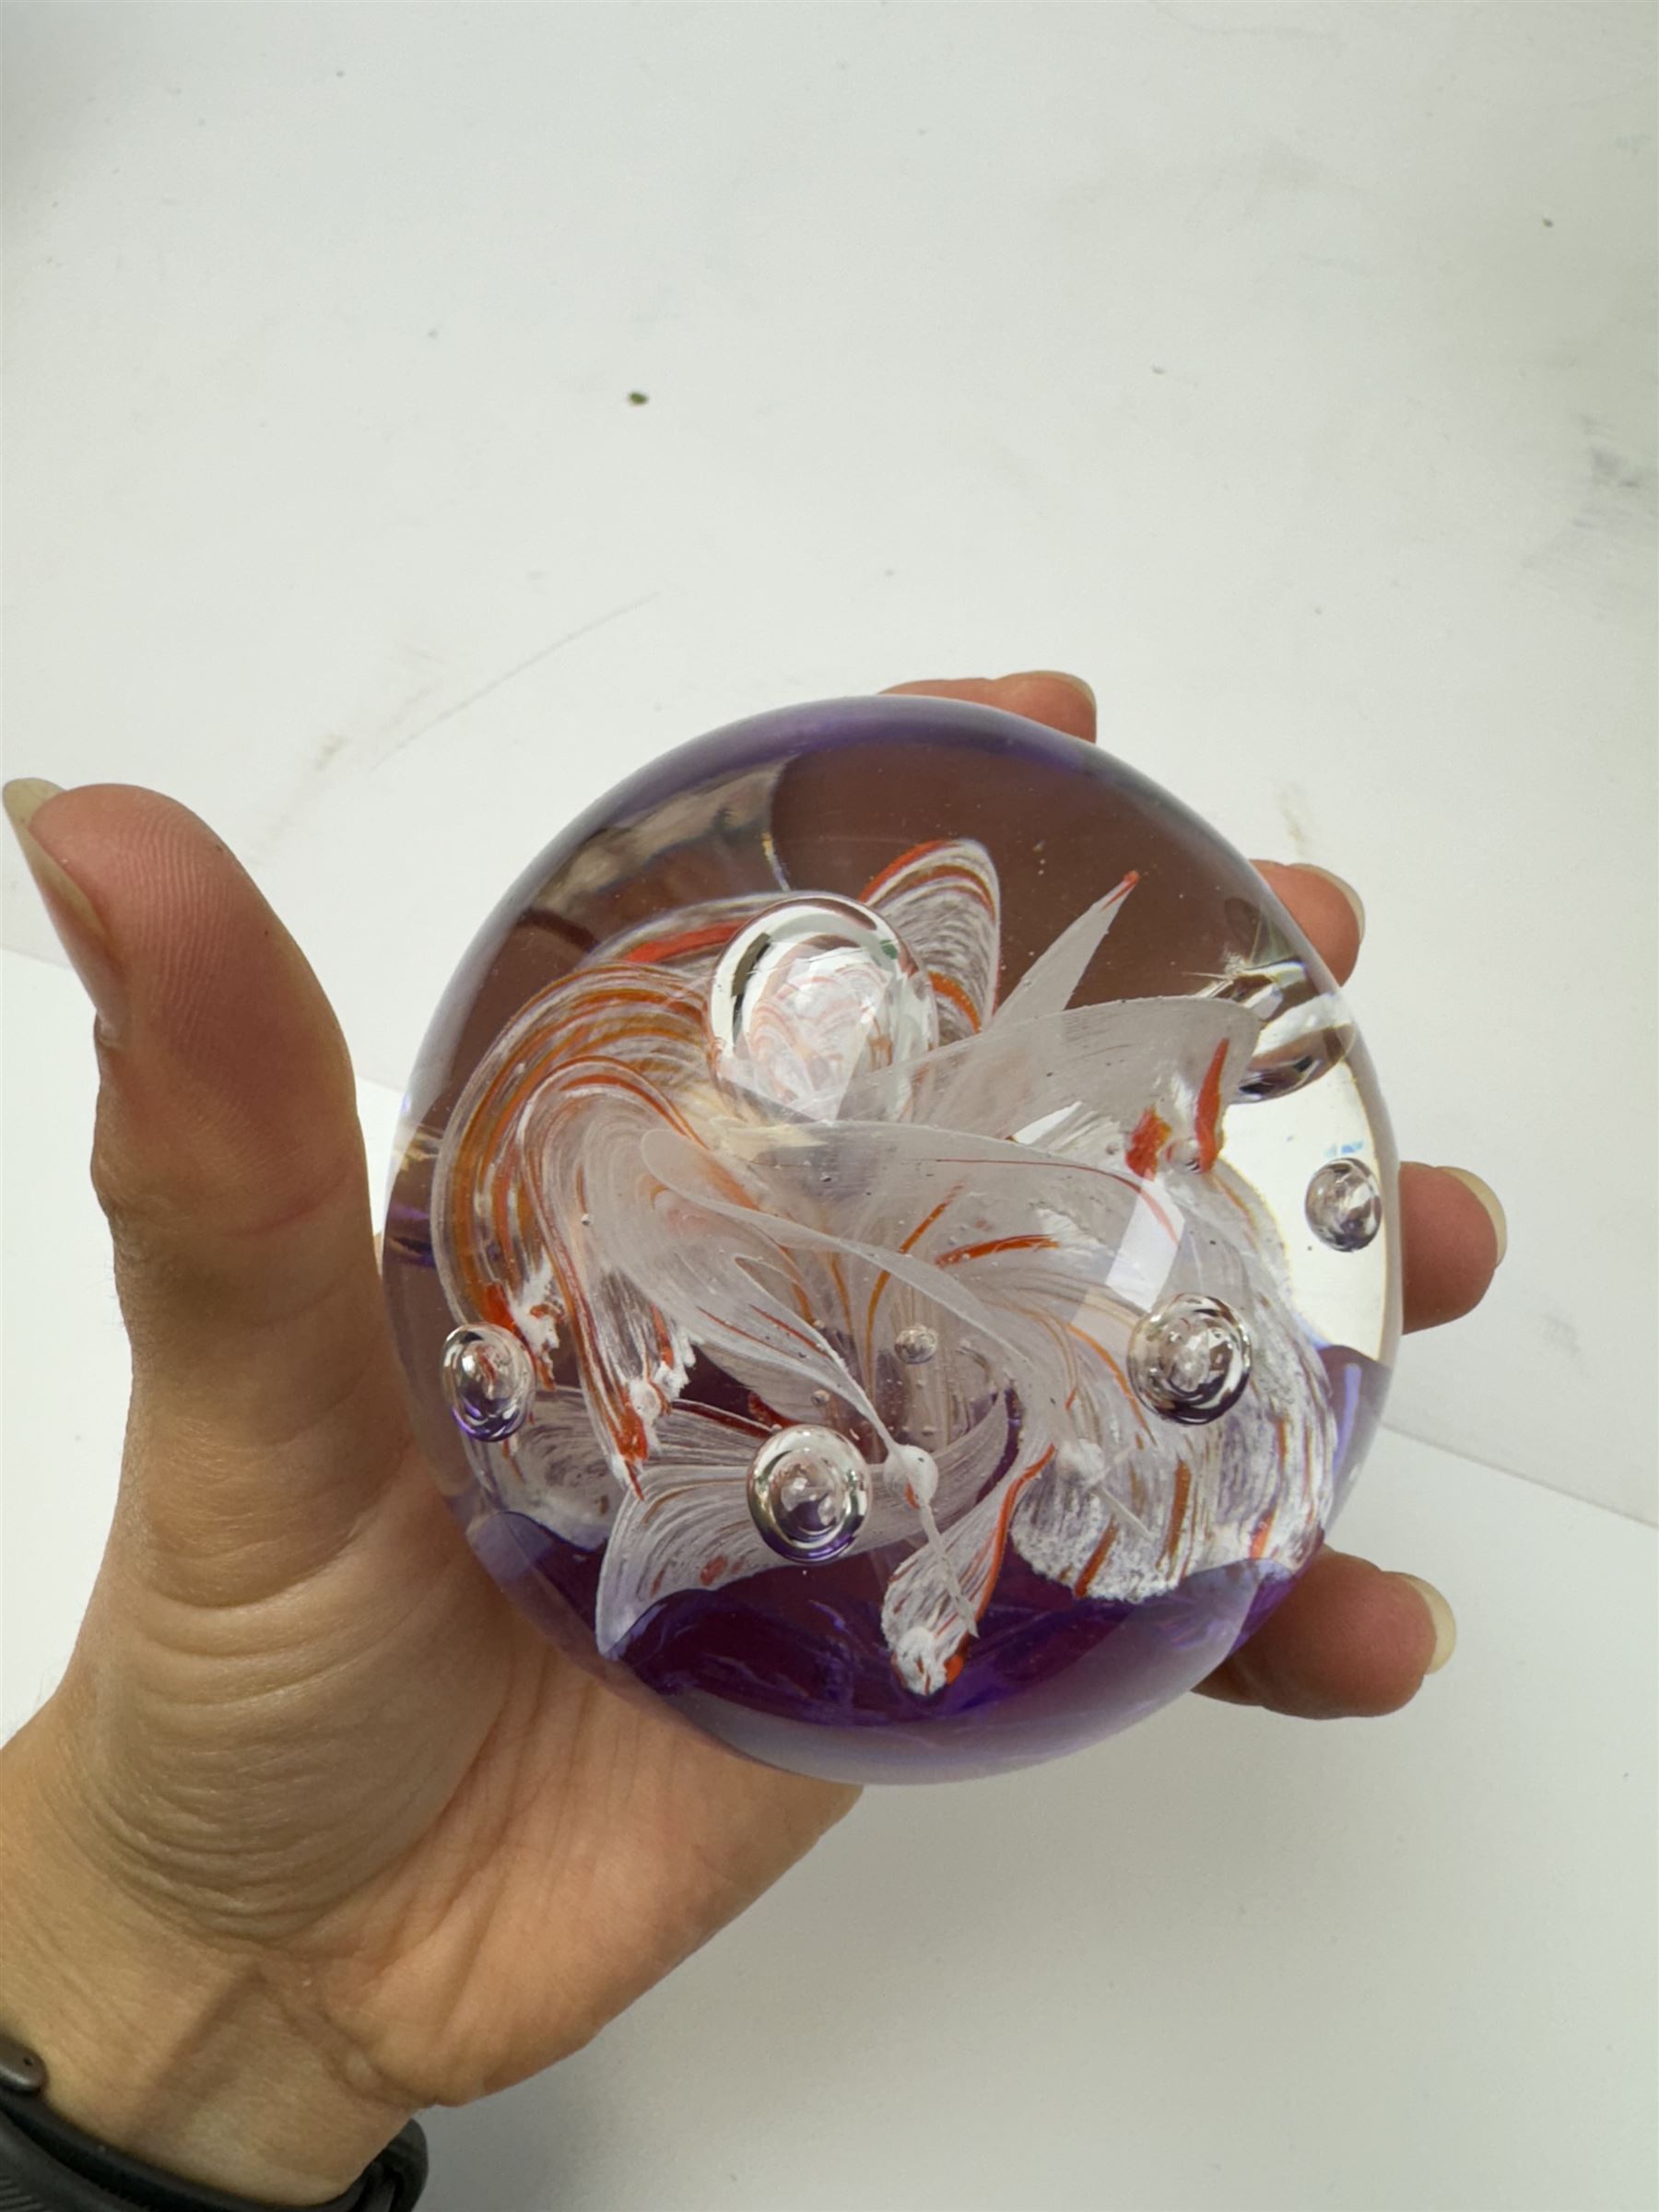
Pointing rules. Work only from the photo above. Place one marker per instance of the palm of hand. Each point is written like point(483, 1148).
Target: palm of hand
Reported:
point(301, 1727)
point(462, 1847)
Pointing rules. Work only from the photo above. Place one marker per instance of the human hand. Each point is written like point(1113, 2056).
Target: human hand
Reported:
point(317, 1830)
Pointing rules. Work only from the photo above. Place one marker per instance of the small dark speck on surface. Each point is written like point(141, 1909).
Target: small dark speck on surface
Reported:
point(433, 331)
point(638, 399)
point(1549, 223)
point(1156, 369)
point(339, 73)
point(1611, 468)
point(1560, 1332)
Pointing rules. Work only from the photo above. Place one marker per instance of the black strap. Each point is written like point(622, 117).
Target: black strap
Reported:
point(48, 2166)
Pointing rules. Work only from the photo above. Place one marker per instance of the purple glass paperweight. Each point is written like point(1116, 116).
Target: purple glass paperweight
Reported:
point(893, 1239)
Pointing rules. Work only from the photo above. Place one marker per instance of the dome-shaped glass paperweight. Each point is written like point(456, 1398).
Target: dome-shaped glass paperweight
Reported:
point(893, 1240)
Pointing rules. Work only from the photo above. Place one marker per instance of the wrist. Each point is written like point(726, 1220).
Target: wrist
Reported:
point(193, 2053)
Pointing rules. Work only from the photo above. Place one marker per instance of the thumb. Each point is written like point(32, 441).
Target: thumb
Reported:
point(229, 1161)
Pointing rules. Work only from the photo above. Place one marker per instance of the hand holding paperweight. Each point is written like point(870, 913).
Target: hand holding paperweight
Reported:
point(894, 1241)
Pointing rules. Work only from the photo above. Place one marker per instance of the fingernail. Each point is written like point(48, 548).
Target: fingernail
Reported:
point(70, 911)
point(1488, 1198)
point(1341, 884)
point(1060, 675)
point(1441, 1615)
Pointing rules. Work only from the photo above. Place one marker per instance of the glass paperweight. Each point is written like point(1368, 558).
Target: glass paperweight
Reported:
point(893, 1240)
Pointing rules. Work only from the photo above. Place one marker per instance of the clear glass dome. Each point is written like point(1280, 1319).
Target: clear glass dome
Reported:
point(894, 1241)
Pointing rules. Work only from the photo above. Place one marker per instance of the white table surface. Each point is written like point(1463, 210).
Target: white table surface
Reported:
point(1289, 371)
point(1225, 1962)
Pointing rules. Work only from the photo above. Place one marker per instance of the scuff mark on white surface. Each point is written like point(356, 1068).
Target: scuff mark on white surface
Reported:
point(519, 668)
point(1604, 548)
point(1563, 1334)
point(1292, 802)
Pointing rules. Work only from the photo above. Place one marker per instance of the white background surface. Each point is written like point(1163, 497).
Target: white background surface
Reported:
point(1287, 372)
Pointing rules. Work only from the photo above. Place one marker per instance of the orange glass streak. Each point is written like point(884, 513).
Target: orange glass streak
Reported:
point(622, 1418)
point(1239, 1207)
point(1000, 1539)
point(500, 1201)
point(918, 853)
point(1096, 1561)
point(980, 1251)
point(1144, 1192)
point(599, 1074)
point(689, 940)
point(1116, 1372)
point(1151, 1134)
point(738, 1196)
point(1184, 1491)
point(884, 1279)
point(749, 1336)
point(954, 1665)
point(486, 1141)
point(722, 1176)
point(1262, 1533)
point(736, 1422)
point(945, 986)
point(801, 1335)
point(1159, 1213)
point(1209, 1118)
point(840, 1280)
point(922, 1226)
point(480, 1159)
point(641, 1006)
point(631, 1438)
